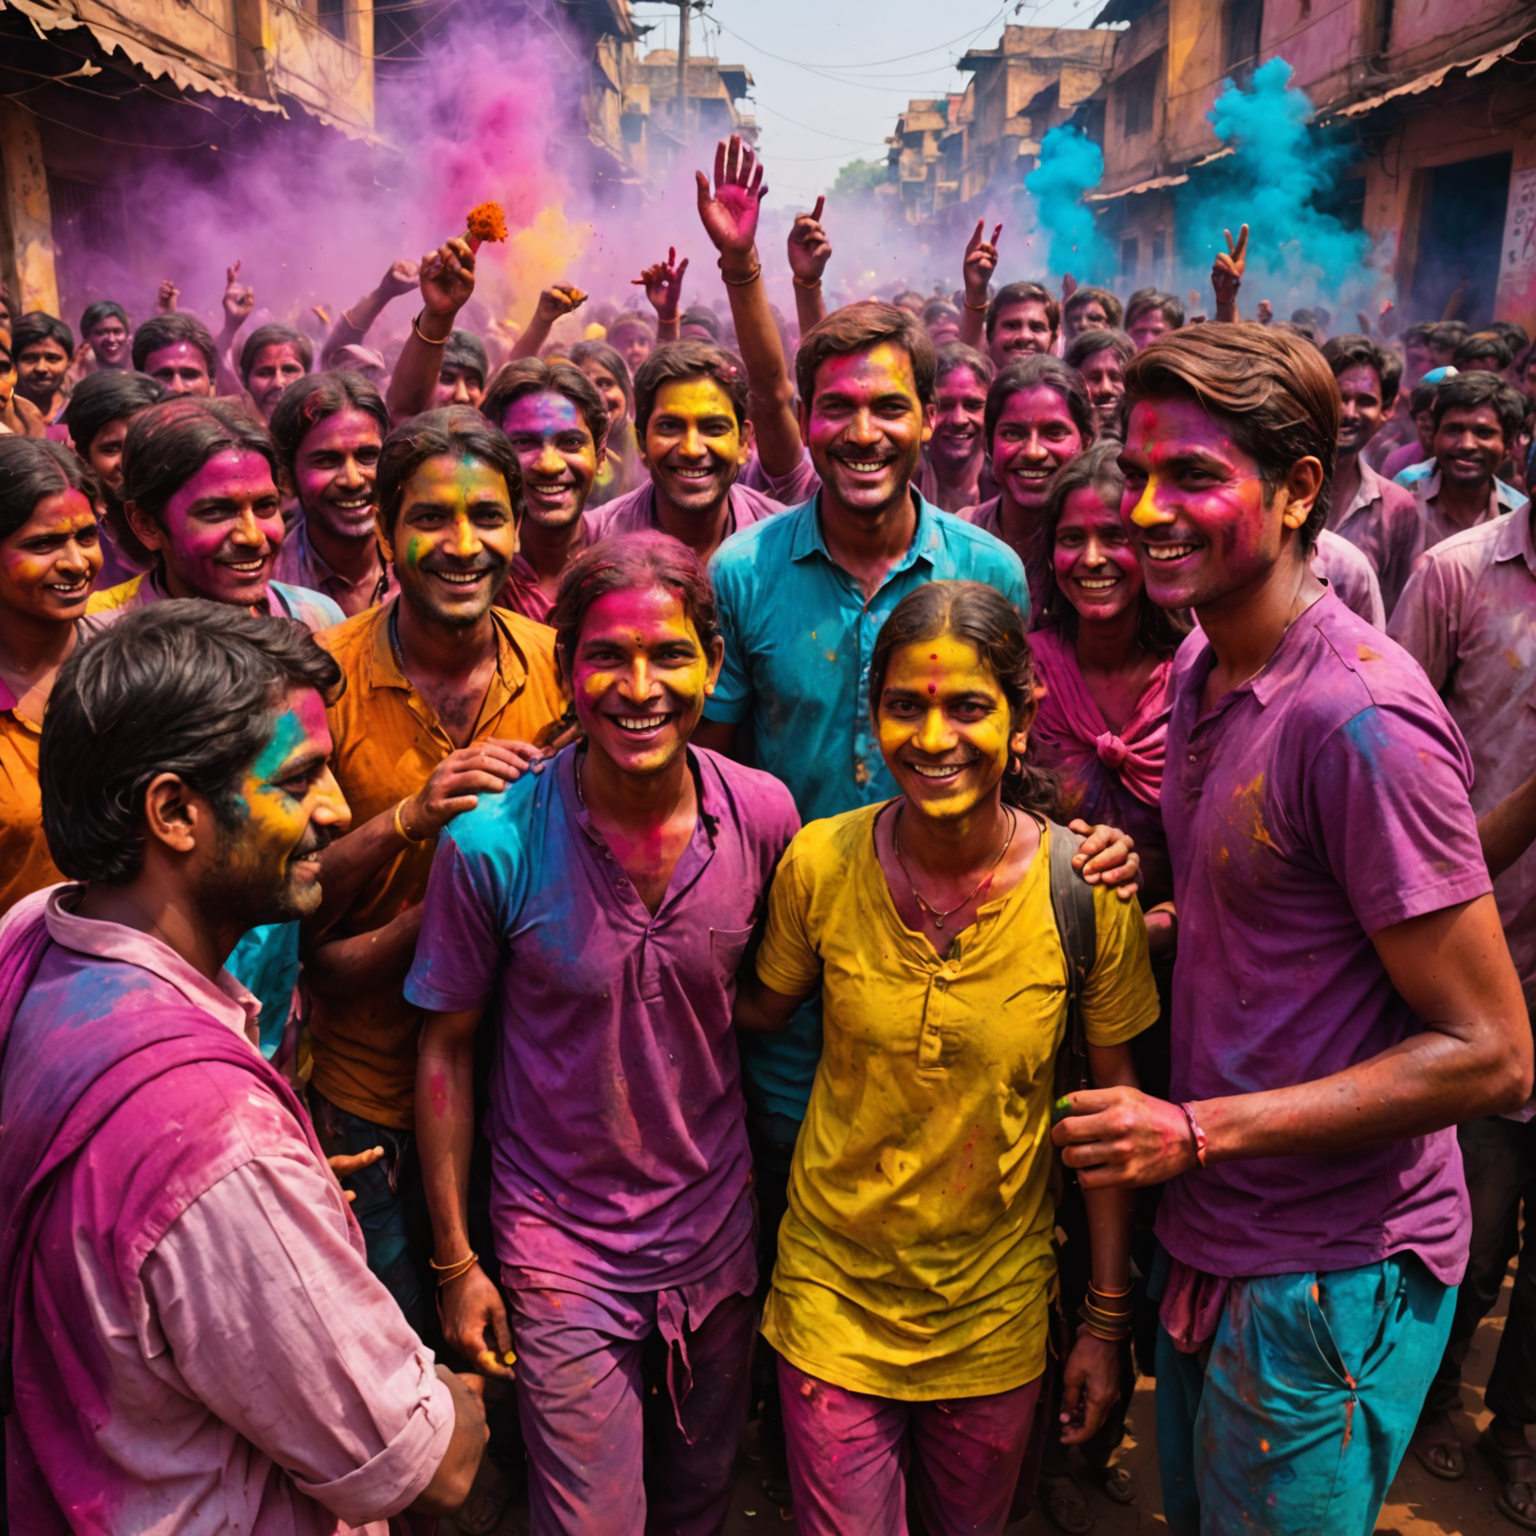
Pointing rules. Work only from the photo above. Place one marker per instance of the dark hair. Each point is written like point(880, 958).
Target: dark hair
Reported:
point(1469, 391)
point(1420, 330)
point(605, 357)
point(857, 328)
point(1041, 370)
point(183, 686)
point(939, 309)
point(1423, 398)
point(466, 352)
point(310, 400)
point(1515, 336)
point(1447, 335)
point(102, 309)
point(631, 320)
point(456, 430)
point(707, 319)
point(533, 376)
point(36, 326)
point(162, 331)
point(1144, 299)
point(1274, 392)
point(1483, 344)
point(168, 443)
point(1097, 469)
point(33, 469)
point(631, 562)
point(674, 360)
point(977, 613)
point(1351, 350)
point(1023, 293)
point(1114, 311)
point(274, 335)
point(104, 397)
point(1086, 343)
point(955, 355)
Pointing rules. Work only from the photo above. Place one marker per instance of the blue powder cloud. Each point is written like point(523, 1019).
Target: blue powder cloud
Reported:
point(1070, 165)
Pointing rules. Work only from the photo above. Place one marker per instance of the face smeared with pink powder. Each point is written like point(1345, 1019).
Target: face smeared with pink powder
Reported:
point(181, 368)
point(220, 533)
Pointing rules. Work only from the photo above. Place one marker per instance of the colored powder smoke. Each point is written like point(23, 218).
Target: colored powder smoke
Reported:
point(1281, 165)
point(1070, 165)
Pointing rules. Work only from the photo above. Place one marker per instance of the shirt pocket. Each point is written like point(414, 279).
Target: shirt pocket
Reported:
point(726, 947)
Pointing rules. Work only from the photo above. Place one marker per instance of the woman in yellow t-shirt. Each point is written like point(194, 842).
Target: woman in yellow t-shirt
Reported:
point(915, 1263)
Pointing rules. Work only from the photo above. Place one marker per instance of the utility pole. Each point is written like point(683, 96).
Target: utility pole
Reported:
point(683, 7)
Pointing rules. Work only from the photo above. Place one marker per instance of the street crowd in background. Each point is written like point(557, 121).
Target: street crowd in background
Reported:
point(878, 873)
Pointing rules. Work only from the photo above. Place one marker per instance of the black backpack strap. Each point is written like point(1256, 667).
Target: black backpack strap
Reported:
point(1072, 905)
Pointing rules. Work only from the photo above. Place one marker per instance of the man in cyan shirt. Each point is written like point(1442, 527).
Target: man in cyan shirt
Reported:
point(193, 1338)
point(1343, 991)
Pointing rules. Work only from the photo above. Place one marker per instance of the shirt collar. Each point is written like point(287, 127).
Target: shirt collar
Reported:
point(1503, 498)
point(223, 997)
point(384, 671)
point(705, 780)
point(1517, 539)
point(926, 537)
point(1275, 673)
point(1371, 485)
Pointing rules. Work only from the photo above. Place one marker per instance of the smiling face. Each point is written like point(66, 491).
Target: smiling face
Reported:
point(457, 386)
point(866, 427)
point(181, 368)
point(1093, 559)
point(40, 370)
point(48, 566)
point(1021, 329)
point(453, 539)
point(557, 455)
point(284, 813)
point(1469, 445)
point(275, 368)
point(109, 341)
point(219, 535)
point(106, 455)
point(1364, 411)
point(334, 473)
point(1195, 507)
point(694, 446)
point(1034, 436)
point(640, 677)
point(1104, 374)
point(945, 728)
point(960, 405)
point(615, 401)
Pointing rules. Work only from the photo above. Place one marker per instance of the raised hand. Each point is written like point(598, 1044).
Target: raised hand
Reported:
point(456, 784)
point(1068, 286)
point(447, 277)
point(809, 248)
point(559, 300)
point(663, 284)
point(239, 299)
point(730, 215)
point(1265, 312)
point(1227, 270)
point(980, 263)
point(402, 276)
point(165, 299)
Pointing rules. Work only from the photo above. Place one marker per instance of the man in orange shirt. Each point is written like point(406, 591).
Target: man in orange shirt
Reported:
point(444, 696)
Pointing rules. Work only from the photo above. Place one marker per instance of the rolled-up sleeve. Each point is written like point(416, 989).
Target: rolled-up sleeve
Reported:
point(276, 1323)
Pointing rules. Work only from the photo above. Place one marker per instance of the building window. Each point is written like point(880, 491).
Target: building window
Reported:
point(1159, 250)
point(1130, 252)
point(1138, 96)
point(1244, 33)
point(333, 18)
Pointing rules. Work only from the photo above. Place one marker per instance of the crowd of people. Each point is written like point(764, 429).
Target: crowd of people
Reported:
point(880, 873)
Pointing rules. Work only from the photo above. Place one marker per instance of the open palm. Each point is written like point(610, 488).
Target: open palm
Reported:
point(730, 215)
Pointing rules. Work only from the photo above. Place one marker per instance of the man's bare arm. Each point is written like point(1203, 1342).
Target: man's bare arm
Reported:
point(809, 253)
point(1509, 828)
point(980, 264)
point(352, 325)
point(447, 280)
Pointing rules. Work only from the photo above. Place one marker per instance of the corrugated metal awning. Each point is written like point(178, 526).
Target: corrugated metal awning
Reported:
point(1156, 183)
point(1473, 66)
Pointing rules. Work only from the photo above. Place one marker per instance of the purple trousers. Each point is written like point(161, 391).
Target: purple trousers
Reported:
point(851, 1456)
point(632, 1418)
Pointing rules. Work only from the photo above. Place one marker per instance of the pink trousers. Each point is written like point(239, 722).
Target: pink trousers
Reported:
point(851, 1457)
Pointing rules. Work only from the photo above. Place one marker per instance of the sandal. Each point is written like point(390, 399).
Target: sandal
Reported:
point(1065, 1505)
point(1117, 1482)
point(1438, 1450)
point(1516, 1471)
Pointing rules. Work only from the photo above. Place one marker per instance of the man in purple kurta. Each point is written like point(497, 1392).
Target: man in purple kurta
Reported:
point(621, 1178)
point(193, 1338)
point(1342, 994)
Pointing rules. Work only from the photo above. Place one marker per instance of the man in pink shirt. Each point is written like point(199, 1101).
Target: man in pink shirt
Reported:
point(194, 1341)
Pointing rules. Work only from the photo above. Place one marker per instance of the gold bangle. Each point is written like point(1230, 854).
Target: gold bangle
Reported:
point(400, 824)
point(809, 287)
point(416, 326)
point(979, 309)
point(447, 1272)
point(741, 282)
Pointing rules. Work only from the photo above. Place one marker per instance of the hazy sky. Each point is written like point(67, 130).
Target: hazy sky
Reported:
point(832, 74)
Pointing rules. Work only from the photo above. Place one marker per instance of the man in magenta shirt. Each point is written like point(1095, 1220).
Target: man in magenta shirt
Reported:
point(194, 1341)
point(599, 909)
point(1343, 992)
